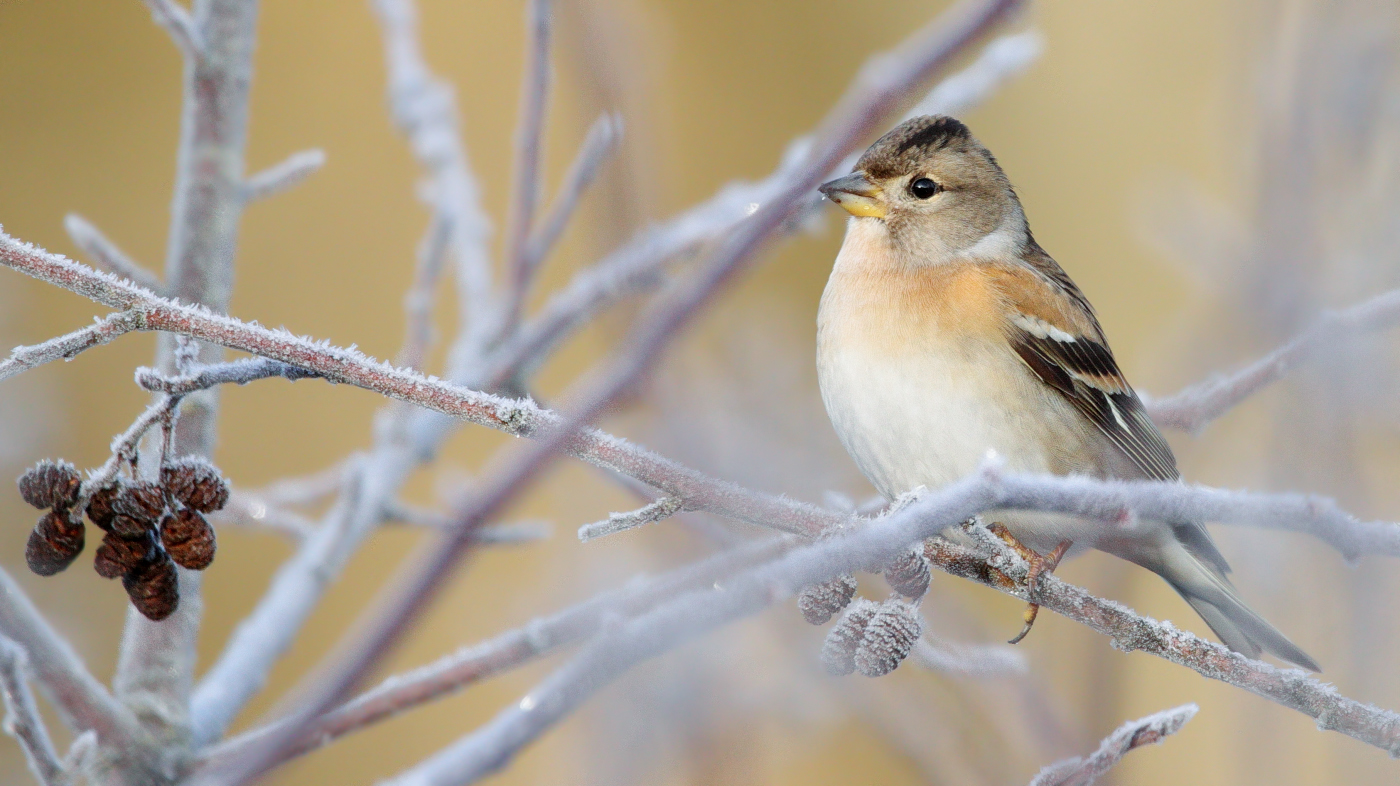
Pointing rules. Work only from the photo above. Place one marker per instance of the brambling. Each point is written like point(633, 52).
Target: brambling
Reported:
point(946, 331)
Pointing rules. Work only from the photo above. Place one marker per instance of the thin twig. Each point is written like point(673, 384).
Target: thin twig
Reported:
point(506, 651)
point(67, 347)
point(1085, 771)
point(283, 175)
point(106, 255)
point(22, 719)
point(236, 372)
point(600, 143)
point(969, 660)
point(177, 22)
point(81, 700)
point(249, 510)
point(418, 301)
point(1194, 407)
point(529, 133)
point(663, 508)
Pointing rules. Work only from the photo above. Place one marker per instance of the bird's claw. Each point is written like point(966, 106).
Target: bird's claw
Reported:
point(1039, 566)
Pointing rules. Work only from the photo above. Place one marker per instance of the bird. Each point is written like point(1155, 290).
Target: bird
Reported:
point(946, 333)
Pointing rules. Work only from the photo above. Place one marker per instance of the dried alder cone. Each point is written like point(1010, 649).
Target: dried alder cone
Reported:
point(872, 638)
point(150, 526)
point(909, 574)
point(820, 602)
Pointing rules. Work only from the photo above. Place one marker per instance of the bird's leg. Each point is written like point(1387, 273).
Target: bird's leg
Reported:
point(1039, 566)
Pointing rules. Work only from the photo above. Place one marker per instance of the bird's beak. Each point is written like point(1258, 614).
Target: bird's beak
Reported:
point(856, 194)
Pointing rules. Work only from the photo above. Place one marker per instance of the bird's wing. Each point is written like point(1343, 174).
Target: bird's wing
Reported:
point(1054, 331)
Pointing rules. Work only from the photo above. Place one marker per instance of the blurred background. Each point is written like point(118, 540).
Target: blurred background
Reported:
point(1213, 174)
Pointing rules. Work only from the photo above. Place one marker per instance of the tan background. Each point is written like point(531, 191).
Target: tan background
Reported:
point(1133, 113)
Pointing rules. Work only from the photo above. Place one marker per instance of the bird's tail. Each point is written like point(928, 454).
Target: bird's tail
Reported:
point(1210, 593)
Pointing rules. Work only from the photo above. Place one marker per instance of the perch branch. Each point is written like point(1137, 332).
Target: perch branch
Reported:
point(22, 719)
point(1085, 771)
point(106, 255)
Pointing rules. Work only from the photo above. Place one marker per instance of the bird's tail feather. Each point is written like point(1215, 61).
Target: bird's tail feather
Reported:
point(1213, 597)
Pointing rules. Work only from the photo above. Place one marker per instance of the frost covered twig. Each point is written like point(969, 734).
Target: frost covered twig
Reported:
point(177, 22)
point(22, 717)
point(106, 255)
point(1193, 408)
point(66, 347)
point(237, 372)
point(663, 508)
point(1085, 771)
point(81, 700)
point(969, 660)
point(529, 135)
point(602, 139)
point(283, 175)
point(508, 650)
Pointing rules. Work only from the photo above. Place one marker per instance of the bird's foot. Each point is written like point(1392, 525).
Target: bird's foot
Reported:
point(1039, 566)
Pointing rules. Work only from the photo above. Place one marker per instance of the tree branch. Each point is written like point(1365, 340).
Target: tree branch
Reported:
point(67, 347)
point(106, 255)
point(1194, 407)
point(283, 175)
point(176, 21)
point(22, 719)
point(81, 700)
point(155, 668)
point(600, 143)
point(1085, 771)
point(529, 132)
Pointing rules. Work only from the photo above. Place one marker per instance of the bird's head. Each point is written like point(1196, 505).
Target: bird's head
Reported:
point(934, 188)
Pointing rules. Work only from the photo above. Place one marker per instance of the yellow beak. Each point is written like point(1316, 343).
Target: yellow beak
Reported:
point(856, 194)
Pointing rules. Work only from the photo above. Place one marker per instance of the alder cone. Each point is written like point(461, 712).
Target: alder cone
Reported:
point(909, 574)
point(839, 649)
point(54, 544)
point(50, 484)
point(99, 509)
point(197, 483)
point(820, 602)
point(118, 556)
point(153, 587)
point(188, 539)
point(889, 636)
point(143, 501)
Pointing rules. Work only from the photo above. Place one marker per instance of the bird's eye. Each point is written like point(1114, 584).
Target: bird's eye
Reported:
point(923, 188)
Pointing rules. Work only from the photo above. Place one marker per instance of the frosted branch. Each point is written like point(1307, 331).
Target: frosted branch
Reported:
point(600, 143)
point(529, 132)
point(663, 508)
point(106, 255)
point(283, 175)
point(22, 719)
point(177, 22)
point(81, 700)
point(67, 347)
point(425, 110)
point(506, 651)
point(418, 301)
point(237, 372)
point(1193, 408)
point(1086, 771)
point(251, 511)
point(750, 591)
point(1000, 61)
point(969, 660)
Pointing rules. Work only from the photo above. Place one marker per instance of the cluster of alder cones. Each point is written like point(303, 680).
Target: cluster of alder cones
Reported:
point(150, 527)
point(871, 638)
